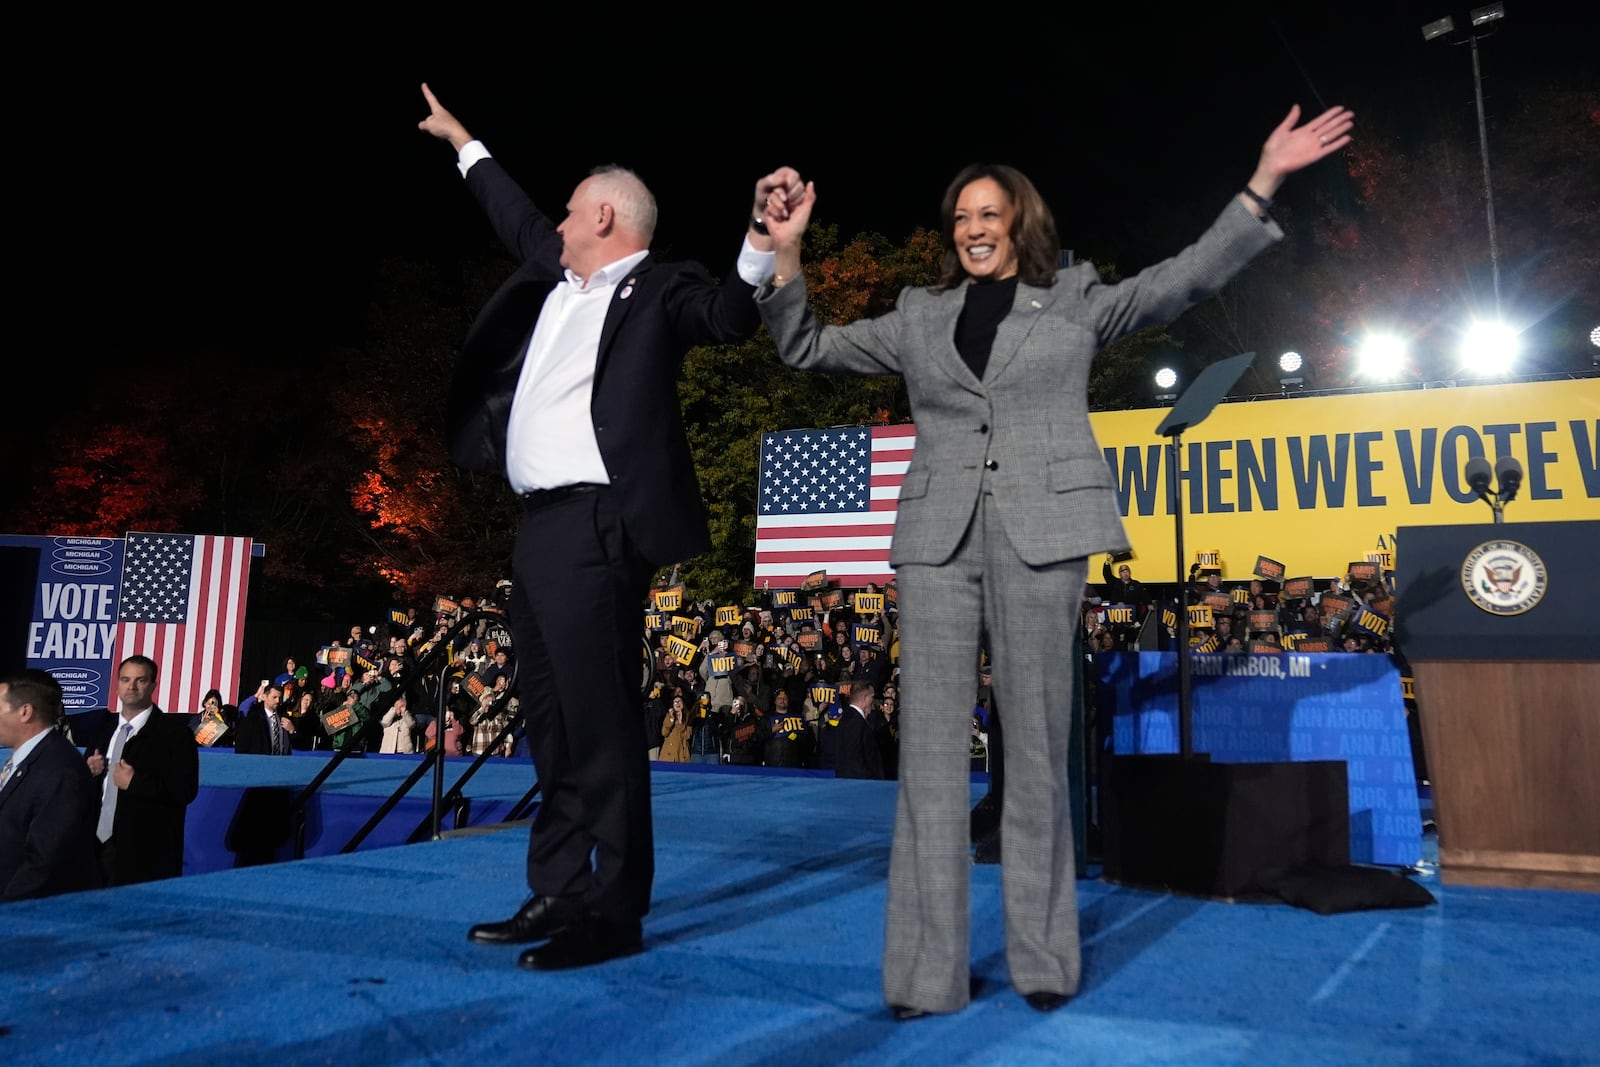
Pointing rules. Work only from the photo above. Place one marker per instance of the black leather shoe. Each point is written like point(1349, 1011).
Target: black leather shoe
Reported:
point(1044, 1001)
point(584, 943)
point(988, 850)
point(904, 1013)
point(984, 818)
point(540, 918)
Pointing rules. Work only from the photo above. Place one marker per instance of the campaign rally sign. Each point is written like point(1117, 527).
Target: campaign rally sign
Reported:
point(1269, 569)
point(1121, 615)
point(77, 606)
point(1283, 706)
point(681, 650)
point(71, 629)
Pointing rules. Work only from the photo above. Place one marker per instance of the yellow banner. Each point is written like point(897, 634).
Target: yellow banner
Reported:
point(729, 616)
point(685, 626)
point(1319, 481)
point(668, 599)
point(682, 651)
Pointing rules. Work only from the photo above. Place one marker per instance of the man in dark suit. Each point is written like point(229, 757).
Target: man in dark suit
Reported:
point(47, 798)
point(861, 735)
point(147, 768)
point(566, 386)
point(262, 731)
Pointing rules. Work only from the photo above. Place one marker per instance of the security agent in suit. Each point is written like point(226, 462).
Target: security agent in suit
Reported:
point(859, 753)
point(564, 386)
point(1006, 497)
point(147, 781)
point(48, 804)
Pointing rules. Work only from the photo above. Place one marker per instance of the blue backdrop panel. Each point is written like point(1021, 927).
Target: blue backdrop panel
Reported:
point(72, 631)
point(1267, 708)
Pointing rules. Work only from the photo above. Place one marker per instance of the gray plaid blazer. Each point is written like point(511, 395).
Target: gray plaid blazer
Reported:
point(1028, 416)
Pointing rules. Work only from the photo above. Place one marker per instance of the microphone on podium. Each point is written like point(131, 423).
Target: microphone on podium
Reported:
point(1477, 475)
point(1507, 472)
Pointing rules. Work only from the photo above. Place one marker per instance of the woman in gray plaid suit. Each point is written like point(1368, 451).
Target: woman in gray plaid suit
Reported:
point(1006, 496)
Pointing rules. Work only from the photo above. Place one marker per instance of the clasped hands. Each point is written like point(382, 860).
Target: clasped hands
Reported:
point(779, 200)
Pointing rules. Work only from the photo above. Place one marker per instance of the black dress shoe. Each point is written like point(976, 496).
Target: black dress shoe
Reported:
point(540, 918)
point(904, 1013)
point(1044, 1001)
point(984, 818)
point(988, 850)
point(584, 943)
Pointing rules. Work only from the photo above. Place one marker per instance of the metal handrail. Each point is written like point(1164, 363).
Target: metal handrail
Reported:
point(434, 659)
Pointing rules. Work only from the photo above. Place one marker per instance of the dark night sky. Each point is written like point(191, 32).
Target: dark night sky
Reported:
point(231, 183)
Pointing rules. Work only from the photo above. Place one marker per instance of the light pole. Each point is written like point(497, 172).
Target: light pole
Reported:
point(1479, 16)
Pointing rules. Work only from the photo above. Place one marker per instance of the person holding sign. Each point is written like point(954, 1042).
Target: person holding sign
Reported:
point(565, 387)
point(1006, 497)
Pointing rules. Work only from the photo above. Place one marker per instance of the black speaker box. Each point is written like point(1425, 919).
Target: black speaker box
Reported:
point(1209, 829)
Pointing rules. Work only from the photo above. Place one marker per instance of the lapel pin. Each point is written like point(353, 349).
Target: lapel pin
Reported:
point(1035, 304)
point(627, 289)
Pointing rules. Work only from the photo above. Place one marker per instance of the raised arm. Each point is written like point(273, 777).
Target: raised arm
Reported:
point(1290, 148)
point(519, 224)
point(441, 124)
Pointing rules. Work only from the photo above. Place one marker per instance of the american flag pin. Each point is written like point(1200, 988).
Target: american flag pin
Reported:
point(627, 290)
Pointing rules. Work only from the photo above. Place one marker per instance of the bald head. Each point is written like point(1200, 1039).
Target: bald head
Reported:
point(611, 215)
point(634, 206)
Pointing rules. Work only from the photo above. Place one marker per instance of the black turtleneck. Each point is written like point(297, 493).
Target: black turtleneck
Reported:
point(987, 304)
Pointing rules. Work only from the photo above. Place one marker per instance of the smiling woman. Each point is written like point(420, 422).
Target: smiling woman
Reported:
point(1007, 495)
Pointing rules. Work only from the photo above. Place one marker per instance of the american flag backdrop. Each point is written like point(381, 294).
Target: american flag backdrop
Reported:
point(182, 604)
point(827, 501)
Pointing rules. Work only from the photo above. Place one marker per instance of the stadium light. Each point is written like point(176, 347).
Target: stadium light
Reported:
point(1489, 348)
point(1381, 357)
point(1478, 17)
point(1166, 385)
point(1292, 371)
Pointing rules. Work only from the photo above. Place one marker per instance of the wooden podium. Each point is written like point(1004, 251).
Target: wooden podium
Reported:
point(1507, 667)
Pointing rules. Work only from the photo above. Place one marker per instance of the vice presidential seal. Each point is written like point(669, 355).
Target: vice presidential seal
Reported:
point(1504, 577)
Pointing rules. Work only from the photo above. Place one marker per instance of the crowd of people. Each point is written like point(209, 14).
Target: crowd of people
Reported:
point(770, 689)
point(1350, 613)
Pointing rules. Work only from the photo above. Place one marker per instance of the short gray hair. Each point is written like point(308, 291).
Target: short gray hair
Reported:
point(628, 196)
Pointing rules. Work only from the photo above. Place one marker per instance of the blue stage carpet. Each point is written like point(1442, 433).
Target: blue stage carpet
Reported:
point(763, 948)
